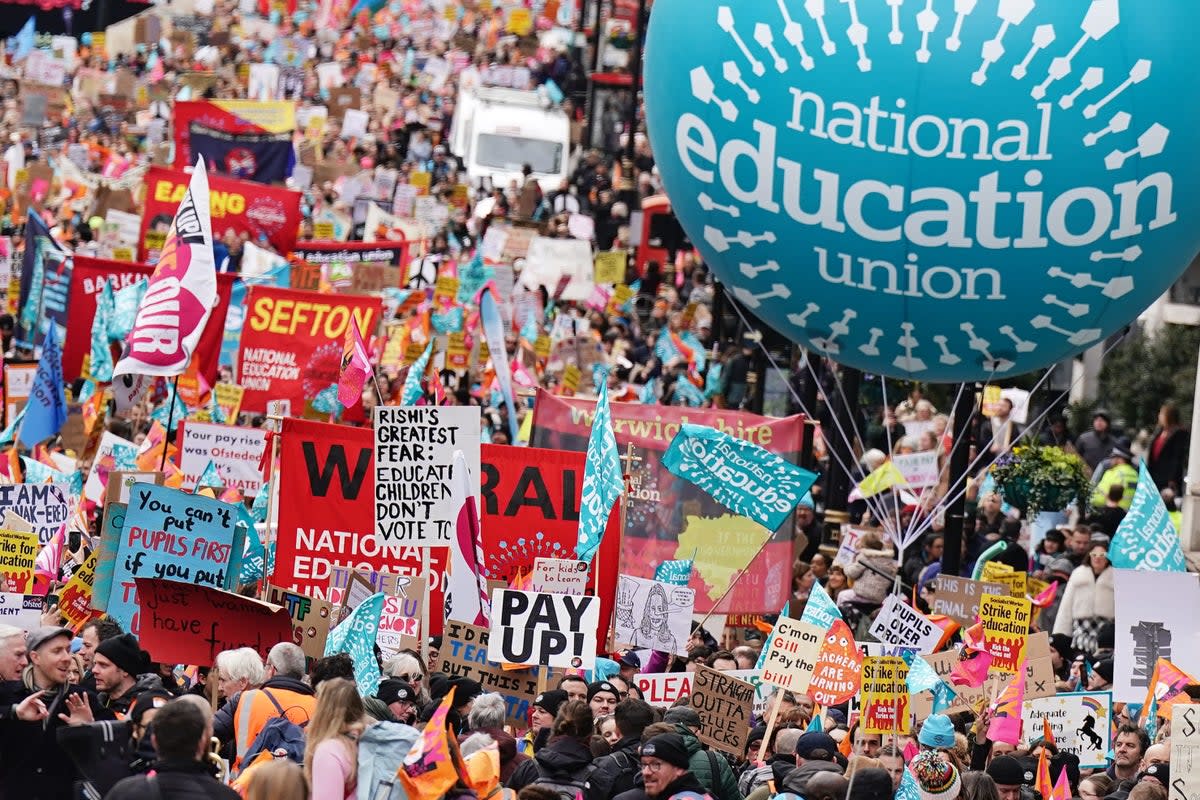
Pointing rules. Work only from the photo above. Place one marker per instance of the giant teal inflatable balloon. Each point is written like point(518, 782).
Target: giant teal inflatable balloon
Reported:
point(937, 189)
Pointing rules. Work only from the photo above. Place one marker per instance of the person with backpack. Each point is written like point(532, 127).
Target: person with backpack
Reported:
point(620, 770)
point(565, 763)
point(711, 770)
point(331, 751)
point(283, 695)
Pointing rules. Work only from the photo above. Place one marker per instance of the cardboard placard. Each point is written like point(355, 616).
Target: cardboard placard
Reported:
point(559, 575)
point(1185, 751)
point(310, 619)
point(544, 629)
point(192, 624)
point(464, 654)
point(343, 98)
point(1039, 677)
point(958, 598)
point(725, 705)
point(414, 471)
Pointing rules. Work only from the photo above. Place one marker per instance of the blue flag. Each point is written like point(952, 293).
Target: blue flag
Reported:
point(820, 610)
point(45, 283)
point(47, 404)
point(745, 478)
point(355, 636)
point(23, 42)
point(261, 157)
point(1146, 539)
point(602, 481)
point(675, 573)
point(412, 390)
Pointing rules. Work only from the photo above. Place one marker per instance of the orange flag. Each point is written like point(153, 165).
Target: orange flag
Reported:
point(1172, 680)
point(1043, 785)
point(427, 772)
point(1047, 734)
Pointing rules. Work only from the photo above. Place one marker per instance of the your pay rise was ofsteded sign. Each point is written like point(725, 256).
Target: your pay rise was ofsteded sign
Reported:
point(414, 471)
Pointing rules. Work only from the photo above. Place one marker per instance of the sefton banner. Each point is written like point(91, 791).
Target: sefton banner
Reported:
point(87, 281)
point(328, 519)
point(292, 343)
point(669, 517)
point(229, 116)
point(238, 206)
point(181, 294)
point(529, 509)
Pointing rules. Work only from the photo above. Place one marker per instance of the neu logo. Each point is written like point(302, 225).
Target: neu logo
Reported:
point(934, 190)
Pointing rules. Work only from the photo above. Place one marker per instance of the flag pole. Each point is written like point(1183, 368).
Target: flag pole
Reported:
point(425, 570)
point(270, 487)
point(162, 464)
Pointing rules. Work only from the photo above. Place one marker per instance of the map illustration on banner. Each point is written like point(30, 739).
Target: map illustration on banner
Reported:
point(1000, 217)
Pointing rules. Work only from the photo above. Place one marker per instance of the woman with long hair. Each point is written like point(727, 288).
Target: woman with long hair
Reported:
point(331, 751)
point(278, 780)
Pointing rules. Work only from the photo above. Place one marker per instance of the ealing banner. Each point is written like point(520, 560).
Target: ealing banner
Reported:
point(743, 477)
point(230, 116)
point(292, 343)
point(328, 519)
point(668, 517)
point(238, 206)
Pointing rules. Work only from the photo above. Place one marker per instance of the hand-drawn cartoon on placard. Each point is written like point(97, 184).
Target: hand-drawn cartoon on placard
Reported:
point(653, 615)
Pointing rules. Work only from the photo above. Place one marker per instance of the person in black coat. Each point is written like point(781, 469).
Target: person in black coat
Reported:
point(566, 760)
point(32, 710)
point(1166, 457)
point(620, 770)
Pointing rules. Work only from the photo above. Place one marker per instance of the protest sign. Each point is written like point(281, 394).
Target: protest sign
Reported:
point(113, 453)
point(958, 598)
point(356, 592)
point(1079, 721)
point(356, 637)
point(192, 624)
point(400, 622)
point(724, 542)
point(554, 630)
point(328, 520)
point(559, 575)
point(884, 695)
point(1185, 751)
point(662, 689)
point(792, 653)
point(18, 555)
point(75, 600)
point(310, 619)
point(291, 346)
point(653, 615)
point(46, 506)
point(747, 479)
point(920, 470)
point(464, 654)
point(725, 705)
point(22, 610)
point(900, 624)
point(549, 261)
point(610, 266)
point(848, 544)
point(235, 452)
point(838, 675)
point(414, 471)
point(1005, 630)
point(18, 381)
point(1155, 617)
point(237, 206)
point(390, 584)
point(1039, 677)
point(171, 535)
point(1015, 582)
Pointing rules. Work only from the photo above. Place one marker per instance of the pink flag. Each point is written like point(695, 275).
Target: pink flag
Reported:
point(181, 294)
point(466, 587)
point(1062, 787)
point(972, 668)
point(356, 367)
point(49, 561)
point(1006, 714)
point(1045, 597)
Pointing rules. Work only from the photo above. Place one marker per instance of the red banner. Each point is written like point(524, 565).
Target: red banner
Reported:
point(223, 116)
point(291, 347)
point(186, 624)
point(238, 206)
point(670, 518)
point(530, 510)
point(87, 281)
point(327, 514)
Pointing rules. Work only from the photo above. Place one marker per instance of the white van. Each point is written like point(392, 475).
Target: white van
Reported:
point(496, 131)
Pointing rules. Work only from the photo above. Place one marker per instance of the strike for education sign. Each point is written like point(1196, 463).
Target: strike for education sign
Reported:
point(556, 630)
point(884, 695)
point(748, 479)
point(1005, 630)
point(414, 471)
point(291, 347)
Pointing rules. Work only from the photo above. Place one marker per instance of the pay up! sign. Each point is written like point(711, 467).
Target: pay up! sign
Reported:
point(545, 629)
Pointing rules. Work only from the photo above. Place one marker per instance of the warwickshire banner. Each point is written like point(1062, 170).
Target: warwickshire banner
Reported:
point(87, 281)
point(238, 206)
point(529, 509)
point(230, 116)
point(670, 518)
point(292, 343)
point(327, 476)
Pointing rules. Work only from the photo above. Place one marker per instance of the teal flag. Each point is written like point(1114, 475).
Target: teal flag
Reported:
point(47, 404)
point(602, 481)
point(909, 788)
point(922, 677)
point(1146, 539)
point(356, 637)
point(676, 573)
point(210, 478)
point(163, 413)
point(100, 367)
point(412, 382)
point(820, 610)
point(747, 479)
point(253, 560)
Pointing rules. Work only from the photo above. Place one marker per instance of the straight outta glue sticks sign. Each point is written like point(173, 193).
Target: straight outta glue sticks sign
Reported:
point(540, 628)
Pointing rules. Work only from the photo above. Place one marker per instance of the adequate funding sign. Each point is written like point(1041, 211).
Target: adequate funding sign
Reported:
point(935, 192)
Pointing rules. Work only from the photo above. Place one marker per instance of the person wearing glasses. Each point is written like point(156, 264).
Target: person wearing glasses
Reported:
point(665, 771)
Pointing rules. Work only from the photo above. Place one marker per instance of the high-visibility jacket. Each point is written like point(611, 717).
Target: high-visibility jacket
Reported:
point(255, 710)
point(1123, 474)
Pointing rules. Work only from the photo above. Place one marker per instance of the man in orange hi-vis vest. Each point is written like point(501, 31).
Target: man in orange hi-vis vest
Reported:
point(284, 693)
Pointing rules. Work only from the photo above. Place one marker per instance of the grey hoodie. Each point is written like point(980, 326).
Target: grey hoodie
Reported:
point(797, 779)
